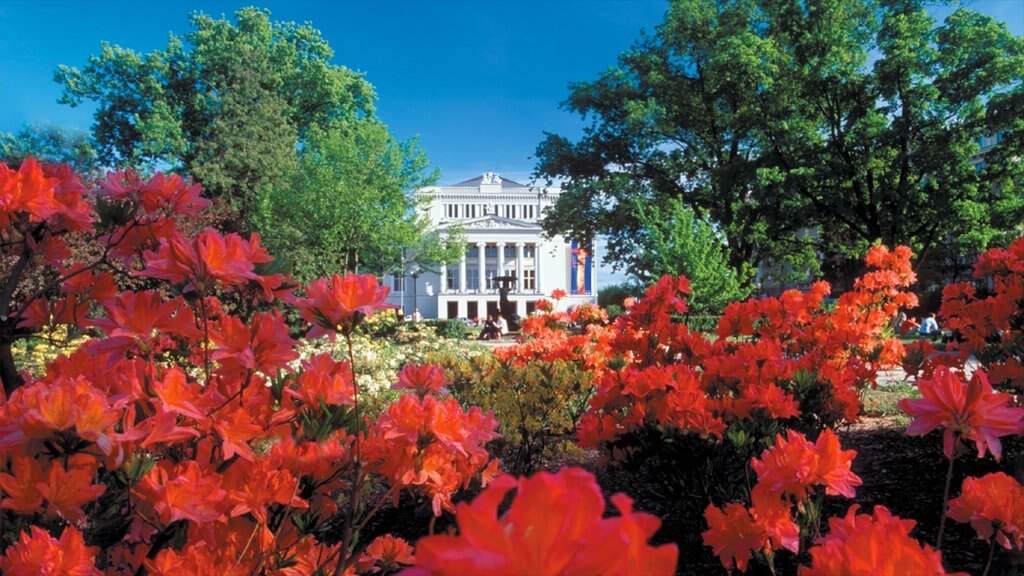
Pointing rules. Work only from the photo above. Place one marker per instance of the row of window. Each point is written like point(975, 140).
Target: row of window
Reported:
point(513, 211)
point(529, 281)
point(491, 251)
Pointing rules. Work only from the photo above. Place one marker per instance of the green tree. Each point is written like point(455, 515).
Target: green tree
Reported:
point(49, 143)
point(859, 120)
point(230, 103)
point(677, 242)
point(348, 205)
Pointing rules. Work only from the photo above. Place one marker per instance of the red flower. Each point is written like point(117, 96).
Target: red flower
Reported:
point(37, 553)
point(339, 303)
point(971, 411)
point(386, 553)
point(27, 190)
point(22, 488)
point(66, 491)
point(557, 294)
point(876, 544)
point(423, 378)
point(793, 465)
point(208, 259)
point(261, 345)
point(732, 535)
point(183, 492)
point(993, 504)
point(324, 379)
point(554, 525)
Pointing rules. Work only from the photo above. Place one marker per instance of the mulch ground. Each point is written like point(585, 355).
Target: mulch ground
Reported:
point(905, 474)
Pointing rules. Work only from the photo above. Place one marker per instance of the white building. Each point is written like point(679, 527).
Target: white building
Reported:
point(501, 222)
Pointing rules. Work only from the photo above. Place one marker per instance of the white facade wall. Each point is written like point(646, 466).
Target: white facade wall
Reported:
point(501, 223)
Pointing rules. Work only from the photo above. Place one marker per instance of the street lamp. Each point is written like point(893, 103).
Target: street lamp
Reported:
point(415, 272)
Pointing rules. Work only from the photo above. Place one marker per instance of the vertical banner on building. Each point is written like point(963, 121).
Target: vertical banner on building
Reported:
point(579, 268)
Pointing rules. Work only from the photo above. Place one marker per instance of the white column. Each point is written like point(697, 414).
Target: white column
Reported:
point(482, 252)
point(462, 273)
point(519, 267)
point(593, 270)
point(537, 247)
point(501, 258)
point(443, 280)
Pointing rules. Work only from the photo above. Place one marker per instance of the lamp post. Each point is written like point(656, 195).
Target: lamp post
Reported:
point(414, 272)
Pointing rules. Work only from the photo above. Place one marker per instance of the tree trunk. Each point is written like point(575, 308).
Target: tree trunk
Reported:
point(9, 370)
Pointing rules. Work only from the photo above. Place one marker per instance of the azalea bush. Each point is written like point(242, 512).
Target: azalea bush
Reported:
point(190, 436)
point(988, 321)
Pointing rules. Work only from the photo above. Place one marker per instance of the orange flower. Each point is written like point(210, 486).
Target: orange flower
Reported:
point(793, 465)
point(22, 487)
point(972, 411)
point(554, 525)
point(37, 553)
point(423, 378)
point(993, 504)
point(210, 258)
point(736, 533)
point(235, 429)
point(183, 492)
point(340, 303)
point(386, 553)
point(261, 345)
point(557, 294)
point(732, 535)
point(326, 379)
point(66, 491)
point(876, 544)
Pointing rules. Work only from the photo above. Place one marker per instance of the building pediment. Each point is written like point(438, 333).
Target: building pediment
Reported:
point(493, 223)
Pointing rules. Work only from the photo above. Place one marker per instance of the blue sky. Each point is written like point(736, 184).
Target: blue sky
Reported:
point(479, 82)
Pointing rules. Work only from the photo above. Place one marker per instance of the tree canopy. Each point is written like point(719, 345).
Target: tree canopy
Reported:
point(256, 112)
point(678, 243)
point(49, 143)
point(228, 103)
point(346, 207)
point(858, 121)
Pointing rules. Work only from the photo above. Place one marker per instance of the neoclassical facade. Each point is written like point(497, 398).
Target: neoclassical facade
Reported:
point(501, 222)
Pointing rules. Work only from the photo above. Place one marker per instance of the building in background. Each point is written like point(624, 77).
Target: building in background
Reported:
point(501, 222)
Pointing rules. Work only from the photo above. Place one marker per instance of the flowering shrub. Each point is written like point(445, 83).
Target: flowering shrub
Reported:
point(967, 411)
point(791, 477)
point(990, 324)
point(776, 362)
point(191, 437)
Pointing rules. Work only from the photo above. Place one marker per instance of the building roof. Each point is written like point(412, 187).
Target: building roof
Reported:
point(476, 182)
point(492, 222)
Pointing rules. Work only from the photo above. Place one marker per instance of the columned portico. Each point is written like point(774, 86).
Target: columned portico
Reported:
point(495, 215)
point(520, 285)
point(462, 273)
point(481, 251)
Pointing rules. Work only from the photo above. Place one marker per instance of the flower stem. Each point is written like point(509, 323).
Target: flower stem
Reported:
point(353, 510)
point(991, 553)
point(945, 500)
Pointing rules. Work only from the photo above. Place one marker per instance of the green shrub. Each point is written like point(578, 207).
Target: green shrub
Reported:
point(538, 405)
point(451, 329)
